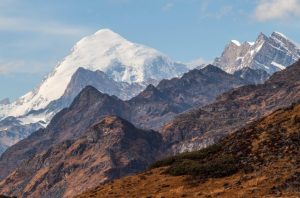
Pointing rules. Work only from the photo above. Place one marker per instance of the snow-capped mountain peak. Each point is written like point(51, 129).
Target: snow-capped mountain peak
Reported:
point(270, 54)
point(105, 51)
point(237, 43)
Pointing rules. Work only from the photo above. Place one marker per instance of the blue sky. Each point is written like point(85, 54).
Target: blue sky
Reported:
point(35, 34)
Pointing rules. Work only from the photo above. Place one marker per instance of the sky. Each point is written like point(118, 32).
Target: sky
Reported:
point(35, 35)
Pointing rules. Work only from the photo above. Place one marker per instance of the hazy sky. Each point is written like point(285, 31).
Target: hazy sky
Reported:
point(36, 34)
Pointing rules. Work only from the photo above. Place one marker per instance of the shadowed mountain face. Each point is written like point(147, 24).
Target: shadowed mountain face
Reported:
point(110, 149)
point(252, 76)
point(203, 126)
point(101, 82)
point(157, 105)
point(150, 109)
point(266, 163)
point(88, 107)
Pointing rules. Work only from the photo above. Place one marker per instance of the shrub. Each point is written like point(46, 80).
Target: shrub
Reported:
point(195, 155)
point(220, 167)
point(165, 162)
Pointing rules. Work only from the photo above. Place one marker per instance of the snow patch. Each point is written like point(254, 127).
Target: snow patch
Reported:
point(282, 35)
point(251, 43)
point(278, 65)
point(237, 43)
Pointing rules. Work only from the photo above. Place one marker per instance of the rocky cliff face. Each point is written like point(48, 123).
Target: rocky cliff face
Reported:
point(270, 54)
point(203, 126)
point(109, 149)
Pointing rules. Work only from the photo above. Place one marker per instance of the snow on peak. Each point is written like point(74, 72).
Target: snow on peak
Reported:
point(250, 43)
point(106, 51)
point(276, 34)
point(106, 31)
point(237, 43)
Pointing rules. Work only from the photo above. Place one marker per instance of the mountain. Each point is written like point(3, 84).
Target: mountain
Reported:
point(195, 88)
point(259, 160)
point(203, 126)
point(155, 106)
point(190, 131)
point(11, 131)
point(150, 109)
point(252, 76)
point(270, 54)
point(108, 52)
point(109, 149)
point(102, 82)
point(104, 60)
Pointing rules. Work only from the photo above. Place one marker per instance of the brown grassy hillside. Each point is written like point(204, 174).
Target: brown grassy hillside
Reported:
point(260, 160)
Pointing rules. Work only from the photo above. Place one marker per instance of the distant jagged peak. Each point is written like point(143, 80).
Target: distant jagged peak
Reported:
point(269, 53)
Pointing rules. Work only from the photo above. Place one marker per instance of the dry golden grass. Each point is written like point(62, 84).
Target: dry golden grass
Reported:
point(154, 184)
point(276, 174)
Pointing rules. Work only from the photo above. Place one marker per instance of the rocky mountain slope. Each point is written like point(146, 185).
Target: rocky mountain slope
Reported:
point(203, 126)
point(252, 76)
point(191, 130)
point(270, 54)
point(110, 149)
point(262, 160)
point(156, 105)
point(150, 109)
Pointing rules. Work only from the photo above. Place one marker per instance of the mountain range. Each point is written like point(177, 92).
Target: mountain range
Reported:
point(112, 108)
point(152, 108)
point(105, 60)
point(116, 66)
point(191, 130)
point(203, 126)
